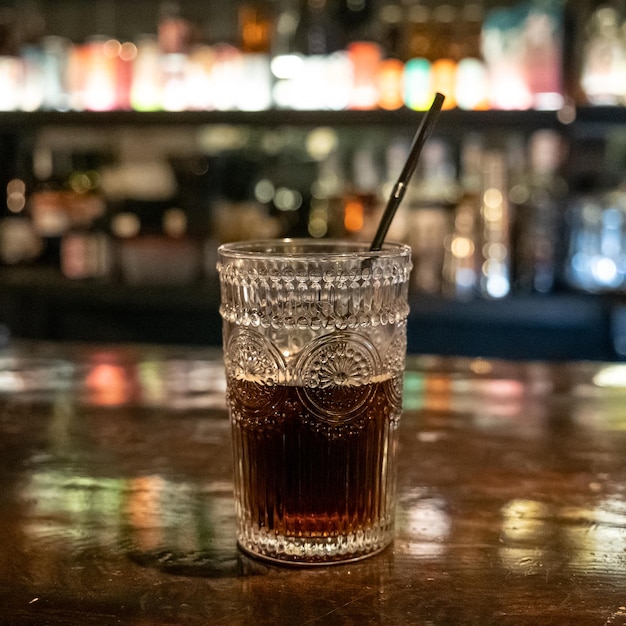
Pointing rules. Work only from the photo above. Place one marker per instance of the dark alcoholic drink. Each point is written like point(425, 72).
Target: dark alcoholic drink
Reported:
point(315, 464)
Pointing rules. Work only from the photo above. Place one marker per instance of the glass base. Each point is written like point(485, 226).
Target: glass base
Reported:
point(310, 551)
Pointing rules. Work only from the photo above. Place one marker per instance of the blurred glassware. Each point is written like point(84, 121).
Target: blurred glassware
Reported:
point(596, 258)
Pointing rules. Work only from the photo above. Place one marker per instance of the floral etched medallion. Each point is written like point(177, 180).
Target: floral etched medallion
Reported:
point(251, 359)
point(336, 373)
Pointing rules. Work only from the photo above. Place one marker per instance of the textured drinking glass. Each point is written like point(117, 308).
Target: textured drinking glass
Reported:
point(314, 351)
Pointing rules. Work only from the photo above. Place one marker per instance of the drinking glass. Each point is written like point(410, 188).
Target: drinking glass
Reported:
point(314, 349)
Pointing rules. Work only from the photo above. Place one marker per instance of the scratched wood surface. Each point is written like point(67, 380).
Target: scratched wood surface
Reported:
point(116, 506)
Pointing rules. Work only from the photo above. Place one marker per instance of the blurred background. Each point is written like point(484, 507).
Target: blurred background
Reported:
point(136, 137)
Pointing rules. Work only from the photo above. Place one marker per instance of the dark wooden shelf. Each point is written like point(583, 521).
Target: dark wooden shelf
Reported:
point(587, 121)
point(39, 303)
point(452, 118)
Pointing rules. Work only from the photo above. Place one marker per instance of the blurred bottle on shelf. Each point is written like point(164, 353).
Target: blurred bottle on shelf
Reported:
point(420, 54)
point(502, 52)
point(390, 74)
point(326, 213)
point(10, 63)
point(395, 153)
point(417, 90)
point(389, 78)
point(174, 40)
point(420, 33)
point(145, 85)
point(392, 20)
point(522, 46)
point(174, 31)
point(19, 243)
point(596, 254)
point(430, 200)
point(86, 253)
point(311, 67)
point(97, 77)
point(54, 58)
point(443, 53)
point(542, 38)
point(319, 31)
point(539, 222)
point(66, 200)
point(167, 256)
point(495, 275)
point(287, 59)
point(365, 58)
point(446, 53)
point(256, 27)
point(462, 250)
point(361, 201)
point(472, 86)
point(603, 73)
point(358, 20)
point(286, 21)
point(322, 54)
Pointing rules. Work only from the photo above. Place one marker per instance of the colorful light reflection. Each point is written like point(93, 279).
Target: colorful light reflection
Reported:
point(107, 384)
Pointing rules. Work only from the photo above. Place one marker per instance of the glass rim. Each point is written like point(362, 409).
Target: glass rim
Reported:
point(302, 248)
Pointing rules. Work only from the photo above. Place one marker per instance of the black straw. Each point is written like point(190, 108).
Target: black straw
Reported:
point(422, 134)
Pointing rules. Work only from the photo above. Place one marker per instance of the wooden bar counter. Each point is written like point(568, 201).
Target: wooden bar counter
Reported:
point(116, 498)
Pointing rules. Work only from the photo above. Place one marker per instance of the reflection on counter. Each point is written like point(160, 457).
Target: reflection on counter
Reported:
point(108, 477)
point(178, 384)
point(147, 515)
point(594, 538)
point(523, 402)
point(31, 377)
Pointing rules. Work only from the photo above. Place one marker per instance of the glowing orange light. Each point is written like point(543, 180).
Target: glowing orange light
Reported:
point(145, 509)
point(353, 216)
point(365, 58)
point(99, 75)
point(444, 80)
point(390, 94)
point(107, 384)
